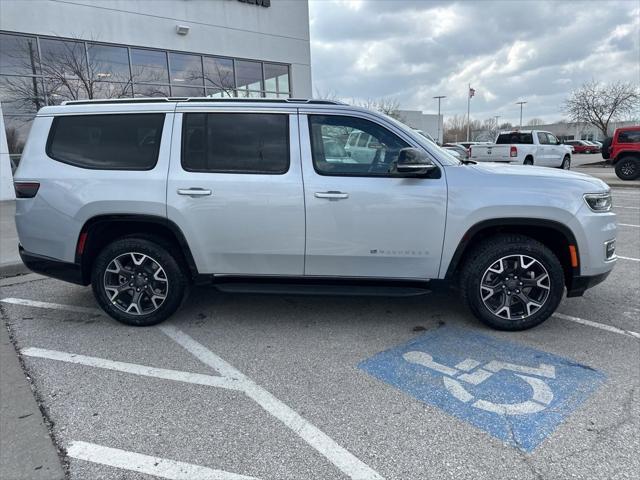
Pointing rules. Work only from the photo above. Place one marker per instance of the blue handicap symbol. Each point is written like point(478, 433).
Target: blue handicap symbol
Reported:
point(516, 393)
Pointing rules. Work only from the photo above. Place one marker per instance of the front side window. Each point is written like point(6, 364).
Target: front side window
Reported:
point(542, 138)
point(552, 140)
point(255, 143)
point(334, 153)
point(107, 142)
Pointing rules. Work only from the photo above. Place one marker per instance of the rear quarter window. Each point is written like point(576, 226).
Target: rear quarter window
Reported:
point(629, 136)
point(107, 142)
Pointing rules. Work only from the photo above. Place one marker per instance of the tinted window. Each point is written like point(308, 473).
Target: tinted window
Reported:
point(515, 137)
point(235, 143)
point(331, 135)
point(629, 136)
point(149, 66)
point(107, 142)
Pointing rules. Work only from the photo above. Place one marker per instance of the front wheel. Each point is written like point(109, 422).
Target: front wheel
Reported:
point(137, 281)
point(566, 163)
point(628, 168)
point(512, 282)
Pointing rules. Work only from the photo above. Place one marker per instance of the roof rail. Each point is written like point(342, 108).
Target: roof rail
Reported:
point(202, 99)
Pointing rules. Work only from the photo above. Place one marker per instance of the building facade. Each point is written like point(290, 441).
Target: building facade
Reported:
point(426, 122)
point(52, 51)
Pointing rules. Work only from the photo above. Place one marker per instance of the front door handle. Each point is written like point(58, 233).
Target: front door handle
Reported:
point(194, 192)
point(332, 195)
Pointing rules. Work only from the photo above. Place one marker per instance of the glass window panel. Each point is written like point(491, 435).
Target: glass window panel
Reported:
point(284, 95)
point(271, 95)
point(109, 64)
point(218, 142)
point(61, 89)
point(142, 90)
point(249, 75)
point(185, 69)
point(21, 95)
point(18, 55)
point(112, 90)
point(218, 73)
point(336, 152)
point(63, 60)
point(249, 94)
point(276, 77)
point(17, 129)
point(177, 91)
point(149, 66)
point(107, 142)
point(217, 93)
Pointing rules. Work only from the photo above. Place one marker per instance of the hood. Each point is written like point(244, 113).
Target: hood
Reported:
point(593, 184)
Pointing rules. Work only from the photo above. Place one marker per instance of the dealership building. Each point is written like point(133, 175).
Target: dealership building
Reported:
point(52, 51)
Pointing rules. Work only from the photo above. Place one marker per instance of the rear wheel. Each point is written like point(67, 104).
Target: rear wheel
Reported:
point(566, 163)
point(137, 281)
point(528, 161)
point(512, 282)
point(628, 168)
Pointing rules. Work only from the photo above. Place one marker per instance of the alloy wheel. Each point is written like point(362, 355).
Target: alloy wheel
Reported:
point(135, 283)
point(515, 287)
point(628, 168)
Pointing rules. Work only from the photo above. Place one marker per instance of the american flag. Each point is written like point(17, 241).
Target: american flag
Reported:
point(472, 92)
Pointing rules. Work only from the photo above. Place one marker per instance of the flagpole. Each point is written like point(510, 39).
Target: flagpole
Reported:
point(468, 110)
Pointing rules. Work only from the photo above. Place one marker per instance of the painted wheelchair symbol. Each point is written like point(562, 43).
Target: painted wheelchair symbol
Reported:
point(542, 394)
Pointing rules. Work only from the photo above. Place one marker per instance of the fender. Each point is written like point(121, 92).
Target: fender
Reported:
point(470, 234)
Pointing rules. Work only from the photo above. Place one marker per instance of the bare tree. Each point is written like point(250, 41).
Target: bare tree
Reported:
point(535, 122)
point(600, 104)
point(455, 128)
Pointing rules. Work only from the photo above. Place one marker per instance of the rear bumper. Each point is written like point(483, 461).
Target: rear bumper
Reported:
point(69, 272)
point(579, 284)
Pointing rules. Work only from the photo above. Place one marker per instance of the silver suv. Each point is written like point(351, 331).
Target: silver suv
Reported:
point(141, 198)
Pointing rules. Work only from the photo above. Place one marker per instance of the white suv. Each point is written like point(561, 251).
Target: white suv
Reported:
point(140, 198)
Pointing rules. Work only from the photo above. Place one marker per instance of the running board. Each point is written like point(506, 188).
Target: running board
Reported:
point(298, 289)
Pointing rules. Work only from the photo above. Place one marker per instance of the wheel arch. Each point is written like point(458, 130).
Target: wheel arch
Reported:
point(555, 235)
point(99, 231)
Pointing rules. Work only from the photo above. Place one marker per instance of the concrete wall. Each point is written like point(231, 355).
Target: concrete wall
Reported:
point(426, 122)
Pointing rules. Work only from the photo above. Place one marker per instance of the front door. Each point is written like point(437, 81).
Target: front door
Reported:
point(364, 219)
point(235, 191)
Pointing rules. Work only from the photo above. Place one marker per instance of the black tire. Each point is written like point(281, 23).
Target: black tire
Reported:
point(489, 253)
point(605, 148)
point(566, 163)
point(628, 168)
point(161, 295)
point(528, 161)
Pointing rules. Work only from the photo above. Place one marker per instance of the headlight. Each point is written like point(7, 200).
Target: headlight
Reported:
point(598, 202)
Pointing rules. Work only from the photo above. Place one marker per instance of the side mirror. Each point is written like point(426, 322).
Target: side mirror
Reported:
point(413, 160)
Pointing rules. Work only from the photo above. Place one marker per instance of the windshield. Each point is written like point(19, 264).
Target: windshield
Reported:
point(440, 153)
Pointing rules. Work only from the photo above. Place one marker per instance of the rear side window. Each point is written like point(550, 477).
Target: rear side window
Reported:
point(235, 143)
point(629, 136)
point(515, 137)
point(107, 142)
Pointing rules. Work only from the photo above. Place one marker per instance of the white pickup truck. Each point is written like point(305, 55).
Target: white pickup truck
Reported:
point(524, 147)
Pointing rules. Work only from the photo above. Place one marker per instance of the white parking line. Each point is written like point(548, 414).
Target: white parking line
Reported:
point(137, 462)
point(628, 225)
point(601, 326)
point(629, 258)
point(53, 306)
point(143, 370)
point(336, 454)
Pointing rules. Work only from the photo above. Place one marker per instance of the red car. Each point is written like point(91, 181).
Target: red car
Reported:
point(623, 151)
point(580, 146)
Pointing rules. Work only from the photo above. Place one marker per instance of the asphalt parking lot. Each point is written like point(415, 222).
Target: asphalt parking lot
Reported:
point(303, 387)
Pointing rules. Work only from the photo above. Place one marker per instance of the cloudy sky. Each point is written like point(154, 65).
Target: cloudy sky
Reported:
point(509, 51)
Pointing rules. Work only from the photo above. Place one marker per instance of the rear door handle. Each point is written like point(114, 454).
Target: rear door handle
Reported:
point(331, 195)
point(194, 192)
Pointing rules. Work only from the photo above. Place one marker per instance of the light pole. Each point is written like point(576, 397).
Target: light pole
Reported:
point(439, 97)
point(521, 104)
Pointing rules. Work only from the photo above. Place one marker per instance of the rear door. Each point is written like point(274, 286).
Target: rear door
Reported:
point(363, 218)
point(235, 189)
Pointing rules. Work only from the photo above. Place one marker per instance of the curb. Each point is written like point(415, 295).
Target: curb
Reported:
point(13, 269)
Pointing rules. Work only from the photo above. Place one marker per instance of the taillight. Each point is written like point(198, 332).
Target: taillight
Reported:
point(26, 189)
point(513, 152)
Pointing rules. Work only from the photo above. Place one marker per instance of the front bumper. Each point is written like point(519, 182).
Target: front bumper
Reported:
point(579, 284)
point(51, 267)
